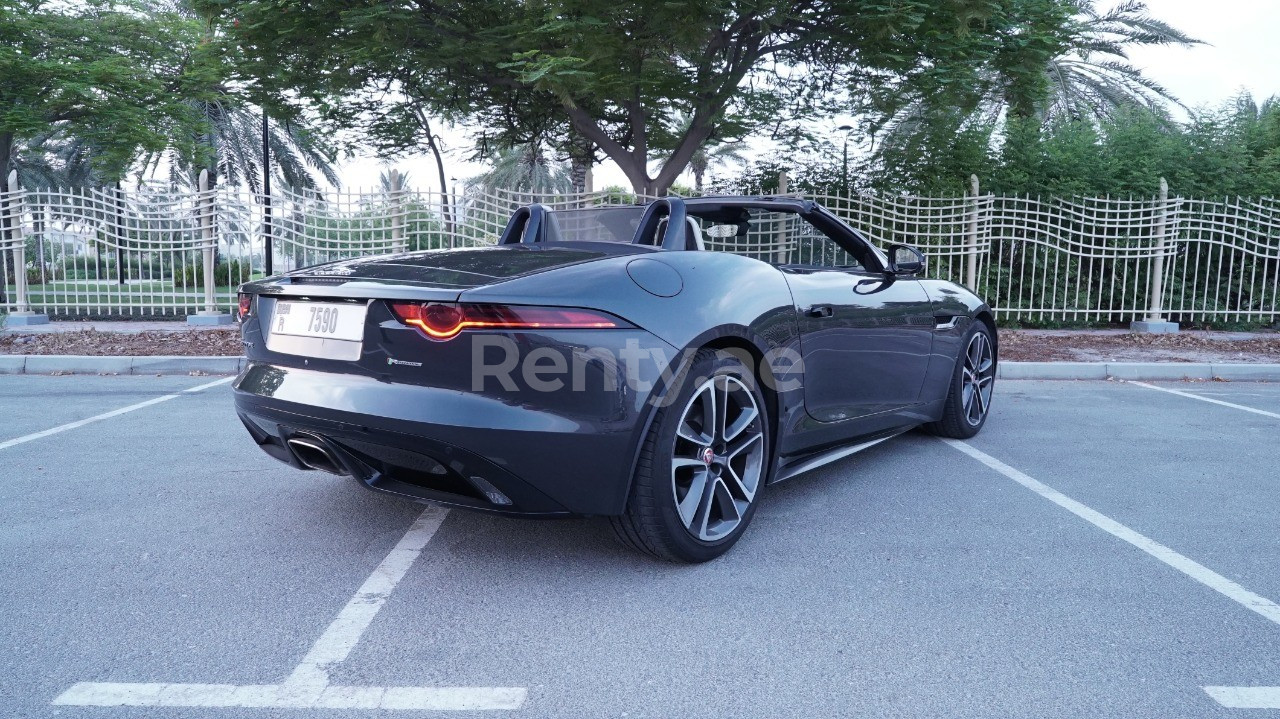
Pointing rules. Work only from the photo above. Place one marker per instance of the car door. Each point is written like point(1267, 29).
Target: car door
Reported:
point(865, 336)
point(865, 340)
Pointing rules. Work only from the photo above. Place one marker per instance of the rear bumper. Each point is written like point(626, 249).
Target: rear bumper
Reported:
point(446, 446)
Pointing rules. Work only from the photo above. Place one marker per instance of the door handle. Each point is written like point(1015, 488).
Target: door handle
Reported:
point(821, 311)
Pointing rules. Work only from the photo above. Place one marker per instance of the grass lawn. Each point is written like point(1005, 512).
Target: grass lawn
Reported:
point(96, 296)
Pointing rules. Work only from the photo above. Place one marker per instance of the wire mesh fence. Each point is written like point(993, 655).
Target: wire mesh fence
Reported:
point(151, 252)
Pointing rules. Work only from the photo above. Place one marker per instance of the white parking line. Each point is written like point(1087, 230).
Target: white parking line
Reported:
point(342, 635)
point(1187, 566)
point(108, 415)
point(1231, 697)
point(1254, 410)
point(1246, 697)
point(308, 686)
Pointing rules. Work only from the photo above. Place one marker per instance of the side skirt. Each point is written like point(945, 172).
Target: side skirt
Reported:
point(800, 466)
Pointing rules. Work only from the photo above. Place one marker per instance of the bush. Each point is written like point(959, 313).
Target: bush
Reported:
point(35, 276)
point(224, 274)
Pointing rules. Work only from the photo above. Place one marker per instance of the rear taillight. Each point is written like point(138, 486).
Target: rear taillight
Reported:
point(442, 320)
point(246, 303)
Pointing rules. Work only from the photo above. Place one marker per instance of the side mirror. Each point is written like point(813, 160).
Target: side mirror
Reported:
point(905, 260)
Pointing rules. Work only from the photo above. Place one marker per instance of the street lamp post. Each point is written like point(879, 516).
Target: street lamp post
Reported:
point(267, 250)
point(844, 165)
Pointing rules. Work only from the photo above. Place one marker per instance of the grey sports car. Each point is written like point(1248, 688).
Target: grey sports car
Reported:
point(659, 365)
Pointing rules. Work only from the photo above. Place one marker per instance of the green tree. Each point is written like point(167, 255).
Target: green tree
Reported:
point(615, 72)
point(1057, 63)
point(116, 76)
point(229, 145)
point(524, 168)
point(1094, 77)
point(48, 160)
point(714, 150)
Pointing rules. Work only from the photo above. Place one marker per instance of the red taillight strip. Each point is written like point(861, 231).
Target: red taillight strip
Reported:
point(444, 321)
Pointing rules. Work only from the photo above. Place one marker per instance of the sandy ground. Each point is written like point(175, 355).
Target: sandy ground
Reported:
point(1123, 346)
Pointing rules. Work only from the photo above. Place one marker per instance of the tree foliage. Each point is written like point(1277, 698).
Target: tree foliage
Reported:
point(523, 168)
point(115, 76)
point(1232, 150)
point(229, 145)
point(1057, 64)
point(616, 73)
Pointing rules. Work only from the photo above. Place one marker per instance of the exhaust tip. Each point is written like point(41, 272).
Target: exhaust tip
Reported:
point(314, 455)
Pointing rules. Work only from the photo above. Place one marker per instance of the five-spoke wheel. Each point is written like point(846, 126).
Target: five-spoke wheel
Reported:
point(969, 399)
point(718, 457)
point(703, 463)
point(978, 378)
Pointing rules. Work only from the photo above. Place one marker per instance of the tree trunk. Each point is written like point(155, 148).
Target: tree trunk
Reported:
point(634, 163)
point(582, 155)
point(446, 202)
point(6, 156)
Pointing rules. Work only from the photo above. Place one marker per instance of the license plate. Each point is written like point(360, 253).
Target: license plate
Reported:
point(319, 319)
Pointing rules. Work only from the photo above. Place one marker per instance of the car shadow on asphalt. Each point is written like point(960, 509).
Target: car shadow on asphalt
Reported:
point(483, 538)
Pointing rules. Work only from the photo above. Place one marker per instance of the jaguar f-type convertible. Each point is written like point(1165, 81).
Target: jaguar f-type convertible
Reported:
point(659, 365)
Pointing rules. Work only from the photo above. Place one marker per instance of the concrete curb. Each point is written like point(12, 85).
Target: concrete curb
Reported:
point(1140, 371)
point(76, 364)
point(80, 364)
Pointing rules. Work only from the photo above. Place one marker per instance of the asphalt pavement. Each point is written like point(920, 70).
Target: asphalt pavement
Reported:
point(1075, 574)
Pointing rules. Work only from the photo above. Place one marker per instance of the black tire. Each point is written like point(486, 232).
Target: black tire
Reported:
point(657, 520)
point(961, 417)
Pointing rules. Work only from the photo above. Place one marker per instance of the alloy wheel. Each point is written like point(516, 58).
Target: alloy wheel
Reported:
point(718, 458)
point(978, 379)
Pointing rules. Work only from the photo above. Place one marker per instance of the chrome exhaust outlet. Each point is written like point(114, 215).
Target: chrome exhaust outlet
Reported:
point(313, 454)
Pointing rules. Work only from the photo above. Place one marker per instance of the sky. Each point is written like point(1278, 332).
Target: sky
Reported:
point(1242, 52)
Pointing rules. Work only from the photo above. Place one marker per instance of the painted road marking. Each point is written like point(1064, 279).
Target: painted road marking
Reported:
point(1232, 405)
point(285, 696)
point(1186, 565)
point(342, 635)
point(308, 686)
point(108, 415)
point(1232, 697)
point(1246, 697)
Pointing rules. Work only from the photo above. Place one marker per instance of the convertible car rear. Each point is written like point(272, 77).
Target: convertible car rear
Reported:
point(658, 365)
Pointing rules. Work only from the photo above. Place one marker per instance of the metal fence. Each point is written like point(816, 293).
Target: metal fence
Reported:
point(155, 252)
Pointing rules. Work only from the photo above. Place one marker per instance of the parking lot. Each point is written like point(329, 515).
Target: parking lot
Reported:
point(1101, 549)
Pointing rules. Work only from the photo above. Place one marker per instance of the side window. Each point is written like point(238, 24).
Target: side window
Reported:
point(779, 238)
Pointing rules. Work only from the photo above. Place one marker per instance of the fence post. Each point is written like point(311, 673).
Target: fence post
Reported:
point(208, 240)
point(13, 208)
point(1155, 321)
point(780, 235)
point(121, 232)
point(971, 236)
point(397, 209)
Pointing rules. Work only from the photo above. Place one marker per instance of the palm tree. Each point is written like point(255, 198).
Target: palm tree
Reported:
point(713, 151)
point(1095, 78)
point(581, 154)
point(232, 148)
point(524, 168)
point(48, 160)
point(1090, 79)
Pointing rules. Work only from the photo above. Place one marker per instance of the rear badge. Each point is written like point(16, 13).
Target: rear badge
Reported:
point(392, 360)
